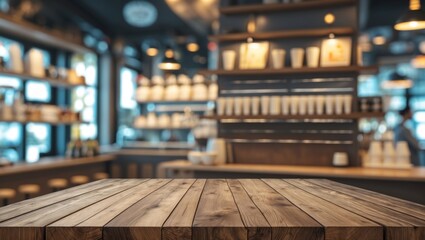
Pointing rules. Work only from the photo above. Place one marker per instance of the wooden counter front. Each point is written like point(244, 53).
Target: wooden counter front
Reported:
point(414, 174)
point(217, 209)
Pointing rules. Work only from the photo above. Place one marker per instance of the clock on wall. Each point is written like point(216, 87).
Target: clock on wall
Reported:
point(140, 13)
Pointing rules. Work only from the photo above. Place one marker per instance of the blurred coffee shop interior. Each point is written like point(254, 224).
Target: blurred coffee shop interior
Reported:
point(211, 88)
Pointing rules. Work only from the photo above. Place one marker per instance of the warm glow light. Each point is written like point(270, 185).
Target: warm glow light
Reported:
point(379, 40)
point(410, 26)
point(192, 47)
point(329, 18)
point(152, 52)
point(418, 61)
point(169, 53)
point(169, 66)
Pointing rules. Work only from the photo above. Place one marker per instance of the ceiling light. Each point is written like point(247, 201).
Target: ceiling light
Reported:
point(329, 18)
point(413, 19)
point(397, 81)
point(379, 40)
point(152, 51)
point(169, 62)
point(140, 13)
point(192, 47)
point(418, 61)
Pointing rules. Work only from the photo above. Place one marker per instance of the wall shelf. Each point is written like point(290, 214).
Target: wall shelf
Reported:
point(283, 7)
point(293, 71)
point(163, 128)
point(41, 121)
point(304, 33)
point(28, 31)
point(358, 115)
point(188, 102)
point(52, 81)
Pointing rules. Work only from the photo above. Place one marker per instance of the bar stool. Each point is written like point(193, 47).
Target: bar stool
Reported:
point(29, 190)
point(100, 176)
point(6, 194)
point(57, 184)
point(79, 180)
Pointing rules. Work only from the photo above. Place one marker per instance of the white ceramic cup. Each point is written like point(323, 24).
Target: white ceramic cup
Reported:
point(330, 104)
point(389, 153)
point(284, 103)
point(265, 105)
point(402, 153)
point(302, 105)
point(229, 105)
point(348, 104)
point(221, 106)
point(275, 105)
point(278, 58)
point(246, 109)
point(297, 57)
point(339, 104)
point(229, 57)
point(238, 101)
point(294, 103)
point(255, 105)
point(310, 105)
point(320, 104)
point(313, 54)
point(340, 159)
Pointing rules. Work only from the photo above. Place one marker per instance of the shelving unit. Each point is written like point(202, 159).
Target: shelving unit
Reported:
point(52, 81)
point(305, 33)
point(281, 139)
point(298, 117)
point(294, 71)
point(59, 123)
point(188, 102)
point(163, 128)
point(283, 7)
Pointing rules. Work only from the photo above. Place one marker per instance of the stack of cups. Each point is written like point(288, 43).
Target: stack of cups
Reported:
point(285, 103)
point(389, 153)
point(229, 59)
point(275, 105)
point(246, 109)
point(402, 153)
point(278, 58)
point(375, 153)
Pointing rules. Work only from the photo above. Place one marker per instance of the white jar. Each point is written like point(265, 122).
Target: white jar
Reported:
point(213, 90)
point(157, 91)
point(185, 91)
point(34, 63)
point(143, 91)
point(172, 89)
point(200, 89)
point(16, 64)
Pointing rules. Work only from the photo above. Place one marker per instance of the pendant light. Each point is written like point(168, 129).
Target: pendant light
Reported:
point(397, 81)
point(169, 62)
point(413, 19)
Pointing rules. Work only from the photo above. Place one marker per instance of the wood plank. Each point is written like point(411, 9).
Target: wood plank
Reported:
point(283, 7)
point(397, 225)
point(338, 222)
point(89, 221)
point(253, 219)
point(145, 218)
point(20, 208)
point(217, 216)
point(287, 221)
point(35, 221)
point(297, 117)
point(179, 223)
point(410, 208)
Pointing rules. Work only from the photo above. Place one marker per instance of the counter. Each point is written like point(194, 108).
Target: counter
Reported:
point(237, 209)
point(407, 183)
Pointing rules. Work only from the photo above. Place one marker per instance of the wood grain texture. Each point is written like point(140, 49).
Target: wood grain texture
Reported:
point(247, 209)
point(397, 225)
point(256, 224)
point(44, 216)
point(342, 225)
point(396, 204)
point(287, 221)
point(144, 219)
point(179, 223)
point(217, 216)
point(89, 221)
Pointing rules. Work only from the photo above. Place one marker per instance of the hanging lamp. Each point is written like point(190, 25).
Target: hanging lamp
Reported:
point(413, 19)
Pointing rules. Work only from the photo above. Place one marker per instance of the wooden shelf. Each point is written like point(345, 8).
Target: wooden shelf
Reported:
point(52, 81)
point(304, 33)
point(188, 102)
point(293, 71)
point(41, 121)
point(164, 128)
point(25, 30)
point(297, 117)
point(282, 7)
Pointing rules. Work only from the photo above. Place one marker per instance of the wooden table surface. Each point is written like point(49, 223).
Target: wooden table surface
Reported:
point(213, 209)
